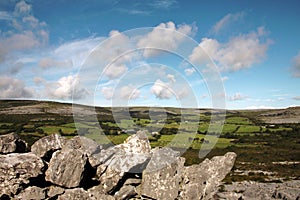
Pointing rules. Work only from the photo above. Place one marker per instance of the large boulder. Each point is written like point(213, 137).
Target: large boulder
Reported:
point(201, 181)
point(66, 168)
point(11, 143)
point(162, 176)
point(129, 157)
point(45, 146)
point(86, 146)
point(17, 170)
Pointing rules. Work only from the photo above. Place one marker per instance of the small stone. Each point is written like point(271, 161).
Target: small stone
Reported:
point(75, 194)
point(55, 191)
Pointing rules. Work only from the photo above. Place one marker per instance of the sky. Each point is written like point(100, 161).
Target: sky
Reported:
point(207, 54)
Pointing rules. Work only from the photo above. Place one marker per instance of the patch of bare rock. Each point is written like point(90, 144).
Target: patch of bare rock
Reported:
point(79, 168)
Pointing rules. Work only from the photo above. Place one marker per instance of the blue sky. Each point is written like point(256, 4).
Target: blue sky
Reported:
point(237, 55)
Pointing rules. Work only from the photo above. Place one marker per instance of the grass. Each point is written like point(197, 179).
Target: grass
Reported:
point(238, 120)
point(248, 129)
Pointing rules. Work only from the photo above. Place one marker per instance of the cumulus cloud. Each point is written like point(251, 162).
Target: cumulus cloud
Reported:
point(107, 92)
point(111, 57)
point(27, 33)
point(238, 53)
point(162, 90)
point(129, 92)
point(115, 70)
point(171, 78)
point(165, 36)
point(296, 66)
point(237, 97)
point(14, 88)
point(189, 71)
point(67, 87)
point(226, 20)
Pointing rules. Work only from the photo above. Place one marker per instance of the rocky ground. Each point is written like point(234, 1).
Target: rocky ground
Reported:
point(78, 168)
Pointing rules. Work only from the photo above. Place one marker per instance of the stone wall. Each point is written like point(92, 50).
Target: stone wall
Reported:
point(79, 168)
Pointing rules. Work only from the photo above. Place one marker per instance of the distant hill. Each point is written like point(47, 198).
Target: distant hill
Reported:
point(34, 107)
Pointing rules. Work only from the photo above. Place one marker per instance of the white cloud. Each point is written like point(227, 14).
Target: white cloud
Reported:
point(129, 92)
point(260, 107)
point(171, 78)
point(226, 20)
point(14, 88)
point(225, 78)
point(28, 32)
point(115, 70)
point(296, 66)
point(67, 87)
point(237, 97)
point(22, 8)
point(165, 36)
point(45, 63)
point(162, 90)
point(189, 71)
point(163, 4)
point(238, 53)
point(297, 98)
point(107, 92)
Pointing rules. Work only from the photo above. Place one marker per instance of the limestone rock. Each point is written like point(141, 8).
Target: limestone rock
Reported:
point(125, 192)
point(33, 192)
point(162, 176)
point(86, 146)
point(98, 194)
point(131, 156)
point(66, 168)
point(250, 190)
point(47, 145)
point(75, 194)
point(55, 191)
point(11, 143)
point(109, 178)
point(16, 170)
point(201, 181)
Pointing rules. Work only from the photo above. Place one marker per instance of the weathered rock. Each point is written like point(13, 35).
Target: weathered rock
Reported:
point(55, 191)
point(249, 190)
point(118, 160)
point(201, 181)
point(11, 143)
point(98, 194)
point(45, 146)
point(162, 176)
point(133, 181)
point(86, 146)
point(125, 192)
point(75, 194)
point(109, 178)
point(66, 168)
point(17, 169)
point(33, 192)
